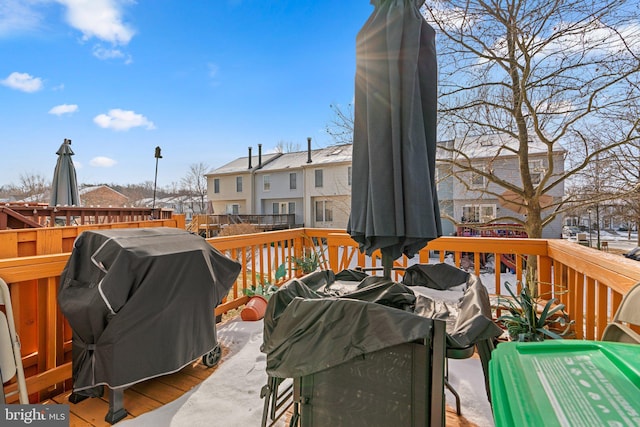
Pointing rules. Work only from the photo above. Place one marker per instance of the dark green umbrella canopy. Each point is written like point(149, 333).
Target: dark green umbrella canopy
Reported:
point(64, 187)
point(394, 204)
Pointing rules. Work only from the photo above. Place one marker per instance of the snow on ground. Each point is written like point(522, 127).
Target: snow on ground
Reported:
point(230, 397)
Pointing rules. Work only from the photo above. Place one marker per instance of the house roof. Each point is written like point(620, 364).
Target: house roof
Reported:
point(323, 156)
point(492, 145)
point(241, 164)
point(90, 189)
point(293, 160)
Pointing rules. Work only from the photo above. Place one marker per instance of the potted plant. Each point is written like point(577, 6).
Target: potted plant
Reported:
point(525, 323)
point(259, 296)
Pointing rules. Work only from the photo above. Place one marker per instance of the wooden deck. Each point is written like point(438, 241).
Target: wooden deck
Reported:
point(152, 394)
point(138, 399)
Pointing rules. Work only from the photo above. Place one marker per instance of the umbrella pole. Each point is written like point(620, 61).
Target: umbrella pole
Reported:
point(387, 264)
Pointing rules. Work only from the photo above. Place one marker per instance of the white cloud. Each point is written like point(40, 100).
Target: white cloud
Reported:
point(17, 16)
point(118, 119)
point(102, 162)
point(106, 53)
point(23, 82)
point(59, 110)
point(101, 19)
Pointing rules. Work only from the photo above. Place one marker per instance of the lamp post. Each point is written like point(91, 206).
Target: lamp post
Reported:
point(589, 211)
point(598, 225)
point(155, 182)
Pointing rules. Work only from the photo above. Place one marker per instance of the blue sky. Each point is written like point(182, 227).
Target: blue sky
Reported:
point(202, 79)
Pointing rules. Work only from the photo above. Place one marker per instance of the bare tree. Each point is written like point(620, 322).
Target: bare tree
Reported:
point(35, 187)
point(564, 73)
point(341, 126)
point(287, 147)
point(195, 184)
point(627, 170)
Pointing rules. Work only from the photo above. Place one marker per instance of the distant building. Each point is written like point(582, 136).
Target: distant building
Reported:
point(102, 196)
point(475, 199)
point(314, 185)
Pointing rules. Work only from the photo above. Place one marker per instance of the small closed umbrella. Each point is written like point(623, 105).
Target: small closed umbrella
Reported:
point(64, 187)
point(394, 203)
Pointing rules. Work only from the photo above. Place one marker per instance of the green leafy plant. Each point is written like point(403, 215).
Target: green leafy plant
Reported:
point(308, 263)
point(524, 323)
point(265, 288)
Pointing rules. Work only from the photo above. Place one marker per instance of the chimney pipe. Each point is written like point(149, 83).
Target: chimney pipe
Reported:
point(309, 149)
point(259, 156)
point(250, 157)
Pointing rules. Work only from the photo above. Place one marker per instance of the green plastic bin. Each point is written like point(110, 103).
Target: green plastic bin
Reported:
point(565, 383)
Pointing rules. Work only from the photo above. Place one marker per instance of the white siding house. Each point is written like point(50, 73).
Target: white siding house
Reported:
point(315, 185)
point(312, 184)
point(469, 197)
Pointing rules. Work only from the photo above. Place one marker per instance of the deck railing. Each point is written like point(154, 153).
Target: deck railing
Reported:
point(591, 283)
point(29, 215)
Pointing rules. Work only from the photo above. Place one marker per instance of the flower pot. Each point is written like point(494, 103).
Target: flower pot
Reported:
point(254, 309)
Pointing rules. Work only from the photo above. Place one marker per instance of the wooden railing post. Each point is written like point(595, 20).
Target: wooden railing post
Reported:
point(544, 276)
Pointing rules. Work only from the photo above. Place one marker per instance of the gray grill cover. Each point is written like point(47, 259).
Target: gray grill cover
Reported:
point(310, 325)
point(141, 303)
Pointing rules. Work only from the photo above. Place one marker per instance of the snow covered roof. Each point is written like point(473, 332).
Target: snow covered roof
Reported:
point(492, 145)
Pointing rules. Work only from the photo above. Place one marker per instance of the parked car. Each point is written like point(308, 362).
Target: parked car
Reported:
point(633, 253)
point(570, 231)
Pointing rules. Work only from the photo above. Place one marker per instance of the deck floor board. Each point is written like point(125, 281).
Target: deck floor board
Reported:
point(154, 393)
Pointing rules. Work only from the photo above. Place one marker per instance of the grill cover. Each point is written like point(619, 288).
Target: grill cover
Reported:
point(141, 303)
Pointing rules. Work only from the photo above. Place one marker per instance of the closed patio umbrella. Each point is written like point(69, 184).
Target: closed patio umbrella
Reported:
point(394, 204)
point(64, 187)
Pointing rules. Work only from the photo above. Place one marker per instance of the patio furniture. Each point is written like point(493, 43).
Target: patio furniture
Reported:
point(446, 292)
point(141, 304)
point(10, 357)
point(355, 359)
point(627, 314)
point(455, 298)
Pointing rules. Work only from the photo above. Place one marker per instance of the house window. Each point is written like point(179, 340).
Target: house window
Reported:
point(233, 209)
point(216, 185)
point(478, 213)
point(238, 184)
point(275, 208)
point(487, 213)
point(470, 213)
point(536, 170)
point(318, 178)
point(266, 182)
point(293, 181)
point(324, 211)
point(292, 207)
point(477, 180)
point(349, 175)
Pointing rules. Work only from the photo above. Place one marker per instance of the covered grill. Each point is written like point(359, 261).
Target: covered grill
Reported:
point(141, 304)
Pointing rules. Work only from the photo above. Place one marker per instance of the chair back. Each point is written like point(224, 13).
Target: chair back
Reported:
point(628, 313)
point(7, 362)
point(629, 309)
point(10, 357)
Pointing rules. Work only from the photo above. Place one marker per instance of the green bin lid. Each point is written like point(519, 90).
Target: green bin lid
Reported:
point(565, 383)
